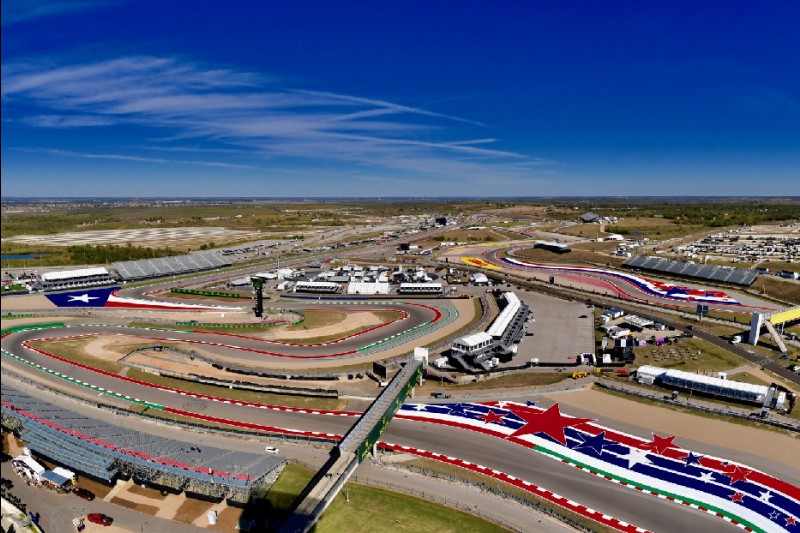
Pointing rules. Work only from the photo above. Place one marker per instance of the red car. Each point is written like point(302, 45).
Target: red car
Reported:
point(99, 518)
point(83, 493)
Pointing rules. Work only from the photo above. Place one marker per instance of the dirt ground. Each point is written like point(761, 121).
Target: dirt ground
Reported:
point(768, 444)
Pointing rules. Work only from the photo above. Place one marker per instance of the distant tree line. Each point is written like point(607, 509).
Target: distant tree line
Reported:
point(110, 253)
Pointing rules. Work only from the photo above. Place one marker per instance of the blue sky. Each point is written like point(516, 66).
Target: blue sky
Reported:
point(377, 99)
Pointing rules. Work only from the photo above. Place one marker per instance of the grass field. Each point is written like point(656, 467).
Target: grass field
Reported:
point(369, 509)
point(73, 349)
point(475, 478)
point(576, 256)
point(689, 355)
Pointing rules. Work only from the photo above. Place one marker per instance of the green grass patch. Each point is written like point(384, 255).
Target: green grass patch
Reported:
point(474, 477)
point(284, 491)
point(747, 378)
point(371, 509)
point(236, 394)
point(698, 356)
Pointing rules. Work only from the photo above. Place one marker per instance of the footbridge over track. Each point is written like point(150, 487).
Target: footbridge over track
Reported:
point(770, 320)
point(354, 446)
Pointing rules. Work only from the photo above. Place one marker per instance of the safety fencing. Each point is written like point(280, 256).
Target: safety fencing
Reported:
point(696, 407)
point(218, 294)
point(427, 495)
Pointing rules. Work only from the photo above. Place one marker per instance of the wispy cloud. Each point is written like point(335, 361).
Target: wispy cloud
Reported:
point(67, 121)
point(20, 10)
point(140, 159)
point(231, 110)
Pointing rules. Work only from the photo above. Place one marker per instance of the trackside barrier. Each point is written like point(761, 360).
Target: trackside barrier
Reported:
point(207, 293)
point(321, 439)
point(233, 325)
point(484, 488)
point(16, 329)
point(660, 398)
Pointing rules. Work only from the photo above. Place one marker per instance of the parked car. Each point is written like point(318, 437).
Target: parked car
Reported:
point(83, 493)
point(99, 518)
point(271, 449)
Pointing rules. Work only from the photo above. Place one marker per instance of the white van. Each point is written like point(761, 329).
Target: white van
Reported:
point(271, 449)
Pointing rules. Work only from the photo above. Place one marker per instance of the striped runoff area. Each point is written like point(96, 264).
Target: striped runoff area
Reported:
point(660, 289)
point(746, 497)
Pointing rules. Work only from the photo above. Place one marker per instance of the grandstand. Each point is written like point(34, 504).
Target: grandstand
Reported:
point(716, 386)
point(721, 274)
point(499, 340)
point(420, 288)
point(105, 451)
point(552, 246)
point(72, 279)
point(168, 266)
point(364, 287)
point(327, 287)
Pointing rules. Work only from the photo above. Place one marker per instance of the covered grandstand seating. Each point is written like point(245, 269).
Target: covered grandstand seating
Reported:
point(420, 288)
point(737, 390)
point(105, 450)
point(70, 279)
point(723, 274)
point(317, 286)
point(165, 266)
point(358, 287)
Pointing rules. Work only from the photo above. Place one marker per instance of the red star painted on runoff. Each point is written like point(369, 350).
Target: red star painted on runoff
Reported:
point(550, 422)
point(660, 444)
point(492, 417)
point(737, 496)
point(736, 473)
point(790, 521)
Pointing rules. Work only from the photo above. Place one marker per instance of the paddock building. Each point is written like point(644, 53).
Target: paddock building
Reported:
point(73, 279)
point(483, 350)
point(760, 395)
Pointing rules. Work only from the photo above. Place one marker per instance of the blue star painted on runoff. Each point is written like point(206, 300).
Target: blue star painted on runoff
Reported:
point(594, 443)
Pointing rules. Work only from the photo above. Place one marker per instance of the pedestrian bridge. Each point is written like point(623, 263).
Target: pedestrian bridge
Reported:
point(354, 447)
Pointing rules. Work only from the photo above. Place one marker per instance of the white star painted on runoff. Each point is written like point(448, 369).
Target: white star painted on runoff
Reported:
point(83, 298)
point(764, 496)
point(420, 406)
point(636, 456)
point(706, 477)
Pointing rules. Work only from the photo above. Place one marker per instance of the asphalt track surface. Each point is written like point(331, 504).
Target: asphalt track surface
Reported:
point(630, 506)
point(629, 293)
point(623, 503)
point(616, 286)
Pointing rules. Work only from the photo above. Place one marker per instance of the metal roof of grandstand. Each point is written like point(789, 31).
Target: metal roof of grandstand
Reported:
point(368, 288)
point(502, 321)
point(706, 380)
point(475, 339)
point(316, 284)
point(725, 274)
point(638, 321)
point(70, 274)
point(420, 285)
point(93, 446)
point(179, 264)
point(54, 478)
